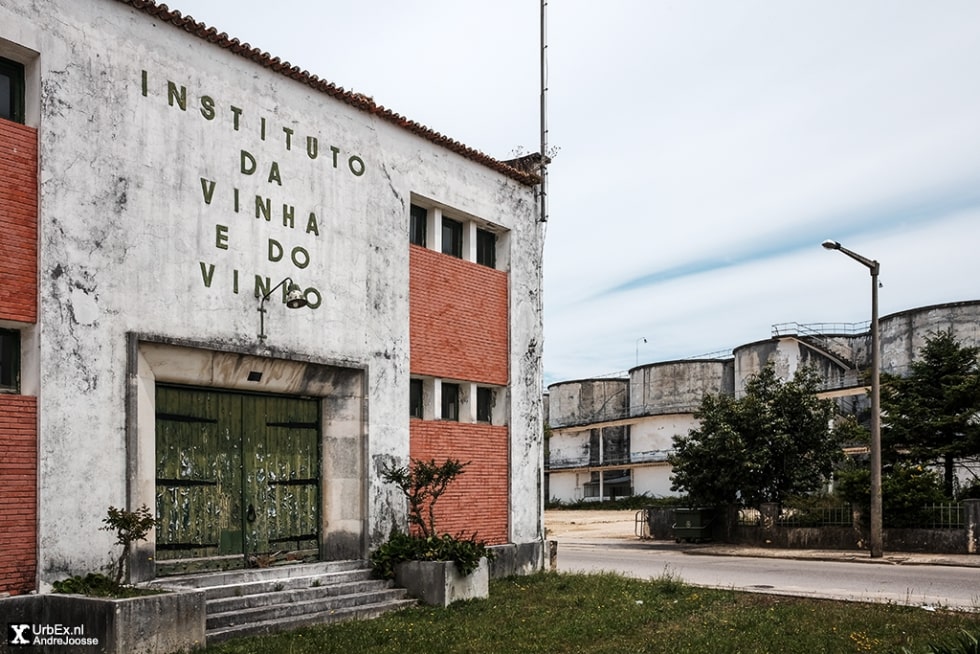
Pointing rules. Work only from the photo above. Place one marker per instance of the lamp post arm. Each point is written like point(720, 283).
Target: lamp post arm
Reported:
point(870, 263)
point(262, 305)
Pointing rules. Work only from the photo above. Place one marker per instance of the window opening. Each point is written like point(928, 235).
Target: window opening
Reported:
point(9, 361)
point(486, 248)
point(484, 404)
point(417, 230)
point(452, 237)
point(450, 401)
point(11, 90)
point(415, 401)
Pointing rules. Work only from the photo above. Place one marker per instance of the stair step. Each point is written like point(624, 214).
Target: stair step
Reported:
point(279, 608)
point(278, 573)
point(362, 612)
point(247, 600)
point(279, 598)
point(290, 583)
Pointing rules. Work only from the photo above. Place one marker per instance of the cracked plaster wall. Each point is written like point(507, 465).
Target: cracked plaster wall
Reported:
point(133, 241)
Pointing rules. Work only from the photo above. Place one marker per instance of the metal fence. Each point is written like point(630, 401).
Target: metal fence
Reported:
point(945, 516)
point(840, 515)
point(934, 516)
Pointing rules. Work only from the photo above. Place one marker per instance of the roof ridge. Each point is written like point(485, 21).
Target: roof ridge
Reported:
point(356, 100)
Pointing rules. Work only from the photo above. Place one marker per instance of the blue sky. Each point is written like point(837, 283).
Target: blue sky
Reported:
point(706, 149)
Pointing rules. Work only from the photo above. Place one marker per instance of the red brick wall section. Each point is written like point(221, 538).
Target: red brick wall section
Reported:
point(459, 318)
point(477, 501)
point(18, 493)
point(18, 222)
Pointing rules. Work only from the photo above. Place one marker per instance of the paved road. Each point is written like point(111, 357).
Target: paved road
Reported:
point(917, 585)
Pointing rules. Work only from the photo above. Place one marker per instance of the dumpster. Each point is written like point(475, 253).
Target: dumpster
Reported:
point(693, 525)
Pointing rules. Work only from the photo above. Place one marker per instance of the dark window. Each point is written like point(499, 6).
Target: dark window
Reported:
point(9, 360)
point(11, 90)
point(416, 398)
point(484, 404)
point(452, 237)
point(450, 401)
point(486, 248)
point(417, 230)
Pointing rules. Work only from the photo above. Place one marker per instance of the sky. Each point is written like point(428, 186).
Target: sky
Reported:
point(703, 150)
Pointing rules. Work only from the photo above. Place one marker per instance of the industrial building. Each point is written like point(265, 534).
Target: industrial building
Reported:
point(233, 291)
point(612, 437)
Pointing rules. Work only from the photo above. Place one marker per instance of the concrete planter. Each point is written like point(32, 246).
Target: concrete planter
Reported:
point(439, 583)
point(151, 624)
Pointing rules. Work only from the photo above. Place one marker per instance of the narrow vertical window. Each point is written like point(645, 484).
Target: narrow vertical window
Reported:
point(11, 90)
point(486, 248)
point(450, 401)
point(9, 361)
point(415, 401)
point(484, 404)
point(417, 229)
point(452, 237)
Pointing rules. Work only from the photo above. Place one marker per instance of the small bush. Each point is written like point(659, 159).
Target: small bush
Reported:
point(905, 489)
point(464, 552)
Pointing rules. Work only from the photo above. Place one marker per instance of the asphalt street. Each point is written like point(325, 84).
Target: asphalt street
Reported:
point(596, 540)
point(902, 580)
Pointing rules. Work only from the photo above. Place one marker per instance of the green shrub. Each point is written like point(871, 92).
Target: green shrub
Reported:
point(423, 483)
point(464, 552)
point(905, 490)
point(130, 527)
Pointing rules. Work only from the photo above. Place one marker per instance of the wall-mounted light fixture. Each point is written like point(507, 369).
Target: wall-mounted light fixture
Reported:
point(294, 300)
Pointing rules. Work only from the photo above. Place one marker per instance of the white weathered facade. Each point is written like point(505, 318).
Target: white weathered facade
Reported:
point(181, 179)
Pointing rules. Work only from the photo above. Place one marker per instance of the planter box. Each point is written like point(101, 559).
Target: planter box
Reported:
point(151, 624)
point(439, 583)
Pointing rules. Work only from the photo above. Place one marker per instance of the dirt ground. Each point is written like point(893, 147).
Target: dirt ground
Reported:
point(585, 525)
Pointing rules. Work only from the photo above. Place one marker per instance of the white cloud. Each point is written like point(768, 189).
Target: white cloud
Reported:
point(692, 134)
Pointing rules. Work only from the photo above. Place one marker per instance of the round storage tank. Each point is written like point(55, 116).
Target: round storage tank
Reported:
point(586, 401)
point(677, 386)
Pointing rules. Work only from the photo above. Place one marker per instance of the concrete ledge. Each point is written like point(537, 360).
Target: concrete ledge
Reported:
point(151, 624)
point(439, 583)
point(517, 559)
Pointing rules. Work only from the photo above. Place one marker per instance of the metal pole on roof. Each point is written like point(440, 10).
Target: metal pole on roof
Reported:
point(543, 197)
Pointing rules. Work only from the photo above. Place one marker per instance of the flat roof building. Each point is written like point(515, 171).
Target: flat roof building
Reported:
point(167, 196)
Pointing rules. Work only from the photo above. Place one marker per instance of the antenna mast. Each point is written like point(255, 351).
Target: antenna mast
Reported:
point(543, 196)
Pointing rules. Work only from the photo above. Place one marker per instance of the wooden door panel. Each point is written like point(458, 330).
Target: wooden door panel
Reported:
point(236, 474)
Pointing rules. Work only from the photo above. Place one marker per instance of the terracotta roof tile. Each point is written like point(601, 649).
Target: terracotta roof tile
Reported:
point(358, 100)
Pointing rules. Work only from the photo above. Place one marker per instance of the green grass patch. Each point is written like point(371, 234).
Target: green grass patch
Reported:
point(610, 614)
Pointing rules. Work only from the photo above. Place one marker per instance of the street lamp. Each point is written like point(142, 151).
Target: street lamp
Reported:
point(643, 339)
point(874, 267)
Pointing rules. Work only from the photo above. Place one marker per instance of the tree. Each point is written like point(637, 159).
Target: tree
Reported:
point(773, 443)
point(130, 527)
point(423, 483)
point(933, 414)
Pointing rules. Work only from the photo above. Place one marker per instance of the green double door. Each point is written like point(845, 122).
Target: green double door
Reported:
point(237, 479)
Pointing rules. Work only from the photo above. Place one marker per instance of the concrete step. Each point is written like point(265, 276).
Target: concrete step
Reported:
point(279, 598)
point(274, 585)
point(277, 607)
point(278, 573)
point(362, 612)
point(316, 589)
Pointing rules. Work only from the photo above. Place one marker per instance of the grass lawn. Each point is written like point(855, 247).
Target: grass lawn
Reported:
point(610, 614)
